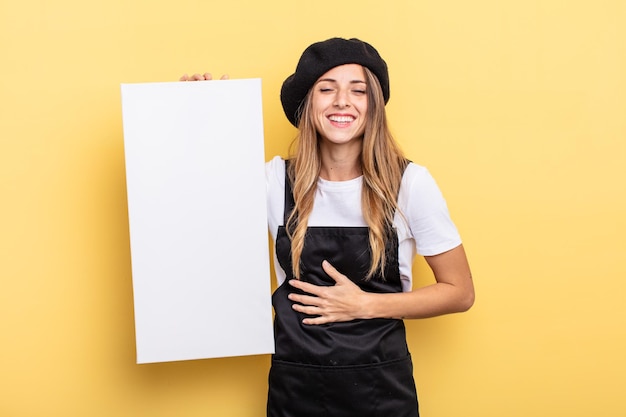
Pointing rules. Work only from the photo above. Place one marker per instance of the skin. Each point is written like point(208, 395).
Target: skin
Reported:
point(339, 113)
point(339, 108)
point(201, 77)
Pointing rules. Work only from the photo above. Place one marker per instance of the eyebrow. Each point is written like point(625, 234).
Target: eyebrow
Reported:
point(332, 80)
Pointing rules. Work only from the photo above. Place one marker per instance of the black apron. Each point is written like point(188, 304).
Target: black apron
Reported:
point(358, 368)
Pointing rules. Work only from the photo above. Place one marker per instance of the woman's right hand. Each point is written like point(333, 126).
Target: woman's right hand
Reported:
point(201, 77)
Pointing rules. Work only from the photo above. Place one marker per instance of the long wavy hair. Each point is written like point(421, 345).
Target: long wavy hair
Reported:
point(382, 163)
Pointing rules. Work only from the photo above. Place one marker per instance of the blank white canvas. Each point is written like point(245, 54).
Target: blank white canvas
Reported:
point(198, 223)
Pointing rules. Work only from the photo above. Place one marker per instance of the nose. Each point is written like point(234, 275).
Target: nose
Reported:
point(341, 99)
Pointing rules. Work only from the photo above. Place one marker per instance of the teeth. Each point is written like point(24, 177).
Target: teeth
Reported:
point(341, 119)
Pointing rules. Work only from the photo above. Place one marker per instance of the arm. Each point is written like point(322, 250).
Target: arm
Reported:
point(453, 292)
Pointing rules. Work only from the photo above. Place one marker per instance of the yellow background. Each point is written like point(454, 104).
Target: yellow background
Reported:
point(517, 107)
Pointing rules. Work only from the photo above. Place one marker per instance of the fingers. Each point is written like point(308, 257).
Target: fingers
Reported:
point(327, 304)
point(310, 305)
point(316, 321)
point(201, 77)
point(305, 300)
point(306, 287)
point(328, 268)
point(197, 77)
point(337, 276)
point(316, 313)
point(307, 309)
point(316, 290)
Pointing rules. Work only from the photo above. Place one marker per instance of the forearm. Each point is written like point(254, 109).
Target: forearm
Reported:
point(434, 300)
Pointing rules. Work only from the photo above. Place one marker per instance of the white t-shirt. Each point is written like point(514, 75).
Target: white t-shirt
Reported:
point(427, 230)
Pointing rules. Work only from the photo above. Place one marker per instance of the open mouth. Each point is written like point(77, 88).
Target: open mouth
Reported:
point(341, 120)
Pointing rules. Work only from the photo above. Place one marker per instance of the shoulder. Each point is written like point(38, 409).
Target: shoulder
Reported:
point(419, 194)
point(275, 165)
point(426, 213)
point(275, 172)
point(414, 170)
point(275, 183)
point(418, 180)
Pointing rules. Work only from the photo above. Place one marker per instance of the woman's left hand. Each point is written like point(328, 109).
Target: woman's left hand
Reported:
point(343, 301)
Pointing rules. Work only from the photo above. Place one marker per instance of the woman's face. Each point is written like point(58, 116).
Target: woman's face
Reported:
point(339, 104)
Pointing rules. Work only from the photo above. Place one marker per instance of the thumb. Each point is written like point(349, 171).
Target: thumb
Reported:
point(332, 272)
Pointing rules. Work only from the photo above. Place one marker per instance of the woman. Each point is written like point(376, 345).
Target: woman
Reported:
point(347, 213)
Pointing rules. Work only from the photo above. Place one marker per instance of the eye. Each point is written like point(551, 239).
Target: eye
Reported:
point(359, 91)
point(325, 89)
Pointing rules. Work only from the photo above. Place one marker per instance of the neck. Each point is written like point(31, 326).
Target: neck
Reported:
point(341, 163)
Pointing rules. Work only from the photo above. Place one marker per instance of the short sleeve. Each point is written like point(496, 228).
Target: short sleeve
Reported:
point(275, 181)
point(426, 212)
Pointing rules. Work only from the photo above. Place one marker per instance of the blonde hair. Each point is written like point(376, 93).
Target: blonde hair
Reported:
point(382, 163)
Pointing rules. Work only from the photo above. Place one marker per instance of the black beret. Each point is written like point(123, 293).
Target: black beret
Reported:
point(320, 57)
